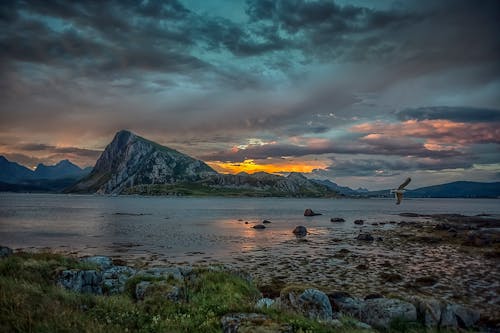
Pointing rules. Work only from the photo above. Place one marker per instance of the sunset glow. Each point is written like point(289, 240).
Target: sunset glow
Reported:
point(251, 166)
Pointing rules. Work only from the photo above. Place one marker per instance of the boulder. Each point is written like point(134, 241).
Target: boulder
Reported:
point(300, 231)
point(458, 316)
point(163, 272)
point(82, 281)
point(114, 278)
point(162, 288)
point(428, 311)
point(380, 312)
point(346, 304)
point(365, 236)
point(309, 212)
point(5, 251)
point(264, 303)
point(359, 222)
point(312, 303)
point(337, 219)
point(259, 226)
point(140, 289)
point(102, 261)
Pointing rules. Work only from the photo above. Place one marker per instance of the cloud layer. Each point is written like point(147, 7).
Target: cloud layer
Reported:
point(373, 89)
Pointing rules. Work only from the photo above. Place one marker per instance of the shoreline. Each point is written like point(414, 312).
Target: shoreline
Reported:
point(415, 257)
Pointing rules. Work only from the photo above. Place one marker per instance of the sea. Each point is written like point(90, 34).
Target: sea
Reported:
point(190, 229)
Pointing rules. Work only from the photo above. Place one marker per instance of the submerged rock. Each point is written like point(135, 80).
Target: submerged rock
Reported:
point(359, 222)
point(337, 219)
point(300, 230)
point(266, 221)
point(365, 236)
point(259, 226)
point(309, 212)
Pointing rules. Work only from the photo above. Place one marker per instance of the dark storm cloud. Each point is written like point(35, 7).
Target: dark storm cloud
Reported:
point(389, 147)
point(40, 147)
point(458, 114)
point(389, 167)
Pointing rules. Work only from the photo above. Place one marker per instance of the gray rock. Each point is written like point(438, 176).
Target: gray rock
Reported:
point(5, 251)
point(82, 281)
point(458, 316)
point(380, 312)
point(102, 261)
point(312, 303)
point(140, 289)
point(351, 306)
point(163, 272)
point(316, 305)
point(163, 288)
point(114, 278)
point(448, 318)
point(264, 303)
point(428, 310)
point(300, 231)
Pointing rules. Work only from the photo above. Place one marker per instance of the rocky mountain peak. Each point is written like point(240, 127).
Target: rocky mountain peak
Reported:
point(131, 160)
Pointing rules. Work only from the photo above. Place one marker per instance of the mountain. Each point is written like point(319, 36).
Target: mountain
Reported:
point(460, 189)
point(343, 190)
point(130, 160)
point(11, 172)
point(63, 169)
point(17, 178)
point(131, 164)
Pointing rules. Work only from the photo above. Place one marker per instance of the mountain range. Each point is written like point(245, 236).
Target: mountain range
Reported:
point(131, 164)
point(45, 178)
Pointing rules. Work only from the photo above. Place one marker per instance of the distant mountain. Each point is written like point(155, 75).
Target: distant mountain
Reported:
point(12, 172)
point(343, 190)
point(63, 169)
point(17, 178)
point(130, 160)
point(460, 189)
point(131, 164)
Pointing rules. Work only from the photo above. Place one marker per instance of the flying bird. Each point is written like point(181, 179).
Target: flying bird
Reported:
point(400, 190)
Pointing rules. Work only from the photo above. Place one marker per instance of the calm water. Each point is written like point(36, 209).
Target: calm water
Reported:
point(193, 228)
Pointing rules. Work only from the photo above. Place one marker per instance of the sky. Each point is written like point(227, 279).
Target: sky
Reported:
point(364, 93)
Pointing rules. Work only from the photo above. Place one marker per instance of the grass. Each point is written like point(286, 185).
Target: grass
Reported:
point(30, 301)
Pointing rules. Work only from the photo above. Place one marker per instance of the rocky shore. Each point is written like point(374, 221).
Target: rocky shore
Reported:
point(280, 308)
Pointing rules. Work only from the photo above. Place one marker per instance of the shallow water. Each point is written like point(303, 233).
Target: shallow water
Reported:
point(171, 230)
point(194, 228)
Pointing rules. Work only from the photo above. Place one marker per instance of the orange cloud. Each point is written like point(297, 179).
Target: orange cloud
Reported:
point(251, 166)
point(438, 134)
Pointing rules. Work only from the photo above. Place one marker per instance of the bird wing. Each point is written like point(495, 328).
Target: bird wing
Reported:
point(399, 197)
point(407, 181)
